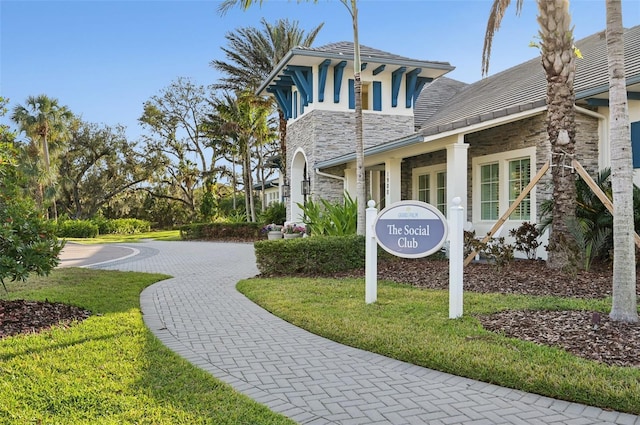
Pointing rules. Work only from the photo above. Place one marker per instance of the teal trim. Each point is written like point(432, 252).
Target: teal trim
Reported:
point(302, 77)
point(379, 69)
point(633, 95)
point(410, 89)
point(635, 143)
point(323, 69)
point(284, 101)
point(295, 105)
point(338, 71)
point(419, 86)
point(352, 94)
point(396, 79)
point(363, 66)
point(303, 52)
point(377, 96)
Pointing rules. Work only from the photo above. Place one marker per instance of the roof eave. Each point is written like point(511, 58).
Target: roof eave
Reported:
point(339, 56)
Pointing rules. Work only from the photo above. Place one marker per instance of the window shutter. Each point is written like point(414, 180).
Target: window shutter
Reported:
point(377, 96)
point(352, 95)
point(635, 143)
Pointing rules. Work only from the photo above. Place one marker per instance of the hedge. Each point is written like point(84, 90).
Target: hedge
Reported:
point(248, 232)
point(77, 229)
point(317, 255)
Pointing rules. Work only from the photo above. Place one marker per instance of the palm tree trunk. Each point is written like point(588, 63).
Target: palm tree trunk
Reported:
point(357, 85)
point(624, 307)
point(558, 61)
point(282, 126)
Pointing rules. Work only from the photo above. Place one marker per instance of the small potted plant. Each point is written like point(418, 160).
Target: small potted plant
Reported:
point(273, 231)
point(293, 230)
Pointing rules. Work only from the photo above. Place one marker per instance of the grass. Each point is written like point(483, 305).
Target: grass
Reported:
point(108, 369)
point(412, 325)
point(159, 235)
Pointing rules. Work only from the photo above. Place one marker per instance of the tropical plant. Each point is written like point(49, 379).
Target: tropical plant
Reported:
point(558, 56)
point(46, 124)
point(253, 53)
point(243, 119)
point(274, 213)
point(592, 227)
point(324, 218)
point(625, 303)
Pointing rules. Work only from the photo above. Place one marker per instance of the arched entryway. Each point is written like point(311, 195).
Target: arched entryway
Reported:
point(300, 184)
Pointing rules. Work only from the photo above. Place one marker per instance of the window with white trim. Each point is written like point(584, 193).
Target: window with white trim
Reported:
point(430, 186)
point(498, 180)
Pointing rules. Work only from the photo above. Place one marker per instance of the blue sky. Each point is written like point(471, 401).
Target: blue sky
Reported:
point(104, 59)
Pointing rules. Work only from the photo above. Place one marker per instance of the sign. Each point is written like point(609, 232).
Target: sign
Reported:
point(410, 229)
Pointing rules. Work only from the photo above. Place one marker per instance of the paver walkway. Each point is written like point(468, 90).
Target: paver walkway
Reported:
point(200, 315)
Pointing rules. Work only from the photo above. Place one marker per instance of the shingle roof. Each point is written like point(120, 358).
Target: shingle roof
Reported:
point(366, 53)
point(433, 97)
point(523, 87)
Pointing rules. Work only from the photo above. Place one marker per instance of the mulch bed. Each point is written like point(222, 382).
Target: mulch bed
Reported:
point(24, 317)
point(586, 334)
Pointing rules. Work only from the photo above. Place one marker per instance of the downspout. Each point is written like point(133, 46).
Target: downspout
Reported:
point(331, 176)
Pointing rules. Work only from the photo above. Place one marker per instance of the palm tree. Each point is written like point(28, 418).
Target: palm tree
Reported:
point(625, 304)
point(244, 119)
point(558, 60)
point(45, 122)
point(352, 7)
point(252, 54)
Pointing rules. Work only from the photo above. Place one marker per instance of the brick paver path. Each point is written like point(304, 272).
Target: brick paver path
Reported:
point(200, 315)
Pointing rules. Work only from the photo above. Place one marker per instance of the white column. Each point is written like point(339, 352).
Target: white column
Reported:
point(457, 178)
point(374, 185)
point(456, 257)
point(392, 171)
point(371, 256)
point(350, 182)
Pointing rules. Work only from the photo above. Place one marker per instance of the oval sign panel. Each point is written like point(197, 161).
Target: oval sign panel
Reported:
point(411, 229)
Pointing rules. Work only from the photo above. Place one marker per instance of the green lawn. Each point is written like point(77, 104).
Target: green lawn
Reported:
point(108, 369)
point(412, 325)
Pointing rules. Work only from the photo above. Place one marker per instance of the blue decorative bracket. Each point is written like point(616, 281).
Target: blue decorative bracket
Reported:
point(396, 79)
point(323, 69)
point(283, 97)
point(303, 79)
point(421, 81)
point(338, 71)
point(379, 69)
point(412, 79)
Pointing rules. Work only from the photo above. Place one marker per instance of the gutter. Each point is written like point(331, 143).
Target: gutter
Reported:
point(331, 176)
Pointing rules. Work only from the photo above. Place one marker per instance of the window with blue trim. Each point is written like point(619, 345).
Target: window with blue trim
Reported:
point(635, 143)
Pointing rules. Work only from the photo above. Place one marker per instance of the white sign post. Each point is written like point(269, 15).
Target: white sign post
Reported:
point(456, 258)
point(413, 229)
point(371, 256)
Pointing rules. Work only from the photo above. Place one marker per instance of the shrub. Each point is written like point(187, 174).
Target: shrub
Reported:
point(310, 256)
point(127, 226)
point(526, 239)
point(274, 213)
point(221, 231)
point(77, 229)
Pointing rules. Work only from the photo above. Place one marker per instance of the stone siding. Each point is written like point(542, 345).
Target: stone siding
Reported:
point(325, 135)
point(517, 135)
